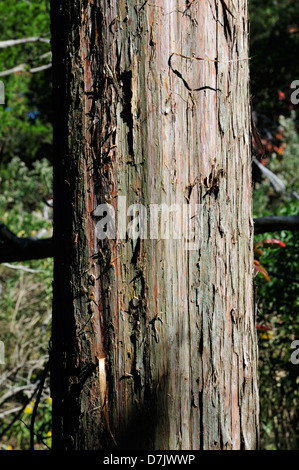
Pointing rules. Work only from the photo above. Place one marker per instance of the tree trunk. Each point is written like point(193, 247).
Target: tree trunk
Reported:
point(154, 345)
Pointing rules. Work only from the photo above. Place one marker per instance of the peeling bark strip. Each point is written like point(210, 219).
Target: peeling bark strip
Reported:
point(154, 346)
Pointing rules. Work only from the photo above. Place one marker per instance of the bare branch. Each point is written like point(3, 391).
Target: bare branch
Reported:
point(10, 411)
point(284, 277)
point(276, 182)
point(41, 68)
point(16, 42)
point(276, 223)
point(25, 67)
point(13, 391)
point(23, 268)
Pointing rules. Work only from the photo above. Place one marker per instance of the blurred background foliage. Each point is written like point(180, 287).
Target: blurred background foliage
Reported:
point(25, 120)
point(274, 66)
point(25, 207)
point(25, 306)
point(274, 26)
point(25, 192)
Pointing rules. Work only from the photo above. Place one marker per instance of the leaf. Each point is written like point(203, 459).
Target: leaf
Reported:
point(263, 327)
point(258, 251)
point(256, 137)
point(261, 270)
point(272, 243)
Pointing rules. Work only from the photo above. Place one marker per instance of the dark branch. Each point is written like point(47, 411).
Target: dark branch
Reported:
point(13, 248)
point(276, 223)
point(284, 277)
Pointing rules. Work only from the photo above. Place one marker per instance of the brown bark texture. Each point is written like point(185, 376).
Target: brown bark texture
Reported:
point(154, 346)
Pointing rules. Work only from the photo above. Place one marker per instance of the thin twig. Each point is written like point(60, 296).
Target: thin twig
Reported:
point(8, 412)
point(23, 268)
point(22, 68)
point(37, 435)
point(19, 414)
point(25, 67)
point(39, 394)
point(11, 393)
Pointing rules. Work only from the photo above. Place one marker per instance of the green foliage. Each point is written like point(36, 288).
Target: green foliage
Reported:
point(278, 308)
point(25, 305)
point(26, 183)
point(274, 50)
point(25, 120)
point(278, 303)
point(274, 46)
point(22, 196)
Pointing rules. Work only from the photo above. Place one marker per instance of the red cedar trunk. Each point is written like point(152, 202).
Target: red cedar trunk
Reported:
point(154, 346)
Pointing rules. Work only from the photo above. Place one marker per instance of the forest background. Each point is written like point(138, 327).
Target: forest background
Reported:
point(25, 208)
